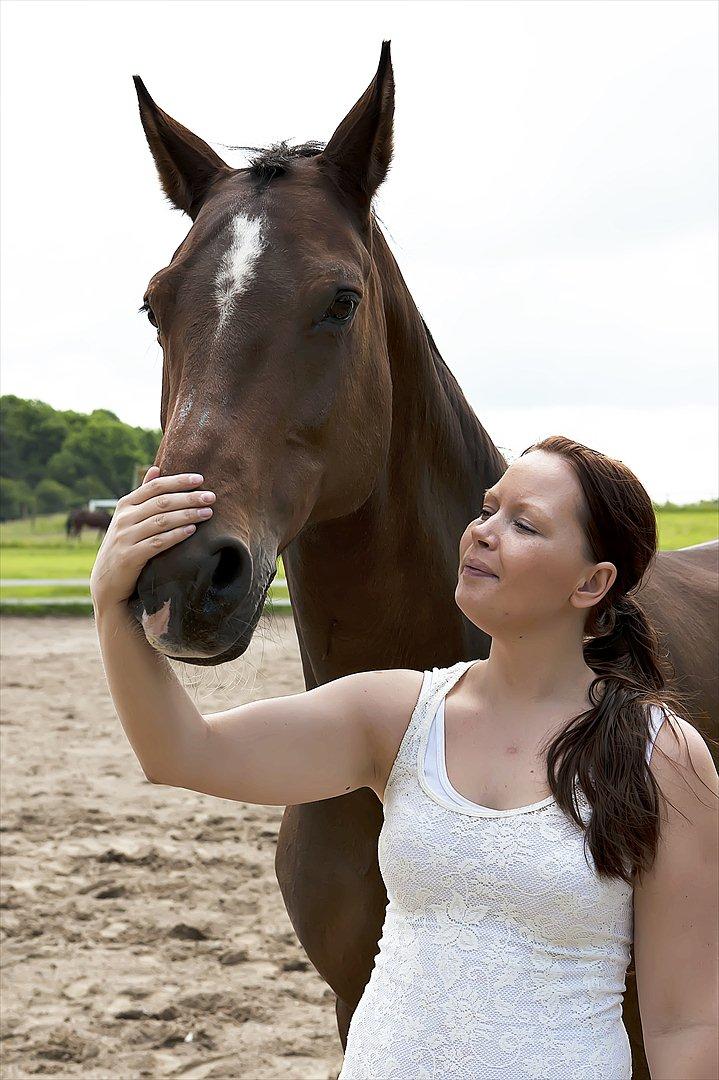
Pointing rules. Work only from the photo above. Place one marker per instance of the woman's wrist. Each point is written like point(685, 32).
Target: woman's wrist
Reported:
point(112, 612)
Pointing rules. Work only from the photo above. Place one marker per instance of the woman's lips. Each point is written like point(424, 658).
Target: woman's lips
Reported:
point(472, 572)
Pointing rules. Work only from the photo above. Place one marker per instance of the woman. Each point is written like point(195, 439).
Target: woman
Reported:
point(530, 834)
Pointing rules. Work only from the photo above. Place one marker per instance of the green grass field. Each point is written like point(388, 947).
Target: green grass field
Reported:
point(686, 526)
point(31, 550)
point(40, 549)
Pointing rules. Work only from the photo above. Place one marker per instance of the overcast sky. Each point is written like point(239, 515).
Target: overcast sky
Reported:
point(552, 202)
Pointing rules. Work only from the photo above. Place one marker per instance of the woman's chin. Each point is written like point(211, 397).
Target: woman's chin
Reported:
point(477, 613)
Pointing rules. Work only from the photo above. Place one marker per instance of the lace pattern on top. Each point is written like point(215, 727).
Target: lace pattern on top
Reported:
point(503, 954)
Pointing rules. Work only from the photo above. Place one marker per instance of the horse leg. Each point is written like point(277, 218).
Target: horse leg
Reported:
point(294, 874)
point(344, 1014)
point(327, 870)
point(633, 1024)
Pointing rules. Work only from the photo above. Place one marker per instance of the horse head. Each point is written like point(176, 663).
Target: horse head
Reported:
point(276, 381)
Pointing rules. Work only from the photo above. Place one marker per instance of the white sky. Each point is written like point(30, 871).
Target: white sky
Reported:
point(552, 202)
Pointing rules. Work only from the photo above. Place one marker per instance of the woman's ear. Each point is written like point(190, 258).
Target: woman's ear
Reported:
point(591, 589)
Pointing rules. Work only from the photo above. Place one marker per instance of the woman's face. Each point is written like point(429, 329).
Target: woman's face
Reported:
point(529, 535)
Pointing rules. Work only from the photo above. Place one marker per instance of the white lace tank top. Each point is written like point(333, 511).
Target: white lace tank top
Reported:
point(503, 954)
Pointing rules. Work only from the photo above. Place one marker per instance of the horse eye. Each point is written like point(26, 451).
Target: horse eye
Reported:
point(342, 308)
point(150, 314)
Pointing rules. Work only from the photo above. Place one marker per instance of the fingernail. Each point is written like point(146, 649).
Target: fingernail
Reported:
point(195, 478)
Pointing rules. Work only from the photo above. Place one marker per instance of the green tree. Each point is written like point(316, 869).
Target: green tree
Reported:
point(30, 433)
point(104, 448)
point(150, 442)
point(16, 499)
point(90, 487)
point(51, 496)
point(106, 413)
point(89, 455)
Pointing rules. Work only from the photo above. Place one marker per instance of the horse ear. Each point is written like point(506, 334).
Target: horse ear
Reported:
point(358, 155)
point(186, 165)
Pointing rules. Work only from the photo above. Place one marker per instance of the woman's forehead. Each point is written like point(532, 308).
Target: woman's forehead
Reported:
point(542, 479)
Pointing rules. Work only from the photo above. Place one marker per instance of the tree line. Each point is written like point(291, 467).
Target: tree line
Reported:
point(52, 460)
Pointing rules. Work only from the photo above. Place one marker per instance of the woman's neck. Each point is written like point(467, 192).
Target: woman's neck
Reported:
point(531, 667)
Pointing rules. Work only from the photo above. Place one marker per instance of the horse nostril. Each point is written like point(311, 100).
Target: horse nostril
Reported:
point(229, 567)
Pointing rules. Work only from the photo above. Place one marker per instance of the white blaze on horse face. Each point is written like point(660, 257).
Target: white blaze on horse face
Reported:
point(237, 268)
point(184, 409)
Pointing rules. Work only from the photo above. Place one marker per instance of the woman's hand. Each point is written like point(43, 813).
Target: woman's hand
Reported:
point(162, 512)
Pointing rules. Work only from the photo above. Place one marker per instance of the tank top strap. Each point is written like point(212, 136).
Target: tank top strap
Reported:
point(436, 683)
point(657, 716)
point(442, 680)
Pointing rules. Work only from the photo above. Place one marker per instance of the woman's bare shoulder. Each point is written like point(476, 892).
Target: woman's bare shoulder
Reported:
point(387, 699)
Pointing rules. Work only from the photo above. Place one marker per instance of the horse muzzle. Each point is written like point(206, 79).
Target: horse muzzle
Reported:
point(200, 601)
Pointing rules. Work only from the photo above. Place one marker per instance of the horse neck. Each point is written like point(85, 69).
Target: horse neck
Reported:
point(376, 588)
point(431, 416)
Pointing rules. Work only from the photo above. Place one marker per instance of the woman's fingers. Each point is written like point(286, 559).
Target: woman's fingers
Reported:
point(145, 549)
point(161, 512)
point(151, 473)
point(159, 485)
point(163, 504)
point(162, 522)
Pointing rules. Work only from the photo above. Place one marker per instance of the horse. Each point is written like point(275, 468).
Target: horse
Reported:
point(91, 519)
point(301, 380)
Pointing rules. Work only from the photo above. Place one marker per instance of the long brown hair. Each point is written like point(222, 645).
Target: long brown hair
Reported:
point(604, 748)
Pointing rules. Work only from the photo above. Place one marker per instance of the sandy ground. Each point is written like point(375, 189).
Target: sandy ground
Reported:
point(144, 933)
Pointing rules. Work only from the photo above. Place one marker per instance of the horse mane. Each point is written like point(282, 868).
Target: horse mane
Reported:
point(457, 430)
point(473, 436)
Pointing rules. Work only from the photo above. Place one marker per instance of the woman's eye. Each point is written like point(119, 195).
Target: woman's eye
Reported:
point(519, 524)
point(342, 308)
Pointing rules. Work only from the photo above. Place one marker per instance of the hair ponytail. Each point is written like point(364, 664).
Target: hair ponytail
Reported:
point(604, 748)
point(625, 642)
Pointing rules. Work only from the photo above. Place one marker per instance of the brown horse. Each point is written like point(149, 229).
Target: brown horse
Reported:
point(301, 380)
point(90, 519)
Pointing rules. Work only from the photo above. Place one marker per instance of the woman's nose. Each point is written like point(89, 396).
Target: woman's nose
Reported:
point(483, 533)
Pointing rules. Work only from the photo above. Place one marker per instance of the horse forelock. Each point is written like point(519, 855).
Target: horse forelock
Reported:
point(267, 162)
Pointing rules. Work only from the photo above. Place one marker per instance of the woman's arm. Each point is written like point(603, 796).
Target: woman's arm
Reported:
point(676, 916)
point(295, 749)
point(280, 751)
point(160, 720)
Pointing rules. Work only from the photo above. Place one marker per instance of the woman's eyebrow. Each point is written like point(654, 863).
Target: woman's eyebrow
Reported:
point(532, 506)
point(520, 502)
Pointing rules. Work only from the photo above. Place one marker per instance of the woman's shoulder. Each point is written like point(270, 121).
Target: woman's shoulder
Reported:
point(682, 747)
point(381, 682)
point(389, 693)
point(389, 698)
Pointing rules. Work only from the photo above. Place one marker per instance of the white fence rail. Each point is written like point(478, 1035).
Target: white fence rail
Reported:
point(25, 601)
